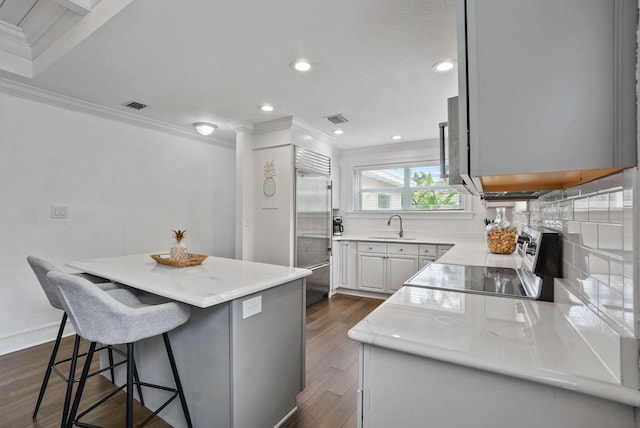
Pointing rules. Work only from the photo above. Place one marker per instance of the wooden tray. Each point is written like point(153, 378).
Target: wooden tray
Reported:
point(192, 260)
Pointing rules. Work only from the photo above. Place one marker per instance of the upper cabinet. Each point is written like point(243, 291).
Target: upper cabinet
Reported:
point(547, 91)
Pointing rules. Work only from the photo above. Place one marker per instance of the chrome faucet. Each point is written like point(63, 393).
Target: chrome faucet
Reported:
point(400, 218)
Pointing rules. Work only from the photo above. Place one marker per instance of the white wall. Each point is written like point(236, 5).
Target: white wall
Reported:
point(364, 223)
point(125, 187)
point(274, 217)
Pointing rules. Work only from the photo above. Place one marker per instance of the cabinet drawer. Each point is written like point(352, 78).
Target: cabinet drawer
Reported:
point(442, 249)
point(428, 250)
point(372, 247)
point(408, 249)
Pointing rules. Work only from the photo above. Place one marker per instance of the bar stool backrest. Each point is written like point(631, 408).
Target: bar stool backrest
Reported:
point(41, 268)
point(98, 317)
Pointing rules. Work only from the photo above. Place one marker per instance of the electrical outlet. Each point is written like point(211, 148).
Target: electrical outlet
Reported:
point(251, 307)
point(58, 211)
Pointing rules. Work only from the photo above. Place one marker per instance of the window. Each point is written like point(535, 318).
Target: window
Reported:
point(407, 187)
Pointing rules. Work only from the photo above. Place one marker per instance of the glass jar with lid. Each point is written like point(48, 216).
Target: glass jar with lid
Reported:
point(501, 236)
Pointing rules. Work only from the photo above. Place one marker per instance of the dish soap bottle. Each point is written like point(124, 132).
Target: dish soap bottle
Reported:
point(501, 237)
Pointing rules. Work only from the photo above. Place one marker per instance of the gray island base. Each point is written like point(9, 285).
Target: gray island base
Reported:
point(241, 356)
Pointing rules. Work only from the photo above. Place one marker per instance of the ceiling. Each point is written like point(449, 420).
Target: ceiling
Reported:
point(218, 61)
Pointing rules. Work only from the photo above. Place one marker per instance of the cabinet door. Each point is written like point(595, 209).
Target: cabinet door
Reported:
point(442, 249)
point(344, 265)
point(401, 268)
point(425, 260)
point(371, 271)
point(548, 85)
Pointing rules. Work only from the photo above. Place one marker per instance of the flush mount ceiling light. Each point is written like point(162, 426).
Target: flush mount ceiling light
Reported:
point(301, 65)
point(338, 132)
point(266, 107)
point(396, 137)
point(204, 128)
point(444, 66)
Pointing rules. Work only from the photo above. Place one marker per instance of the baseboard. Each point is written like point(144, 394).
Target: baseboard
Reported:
point(362, 293)
point(27, 339)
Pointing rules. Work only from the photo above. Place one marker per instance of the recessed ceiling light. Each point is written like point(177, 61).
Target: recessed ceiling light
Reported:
point(266, 107)
point(338, 132)
point(301, 65)
point(444, 66)
point(396, 137)
point(204, 128)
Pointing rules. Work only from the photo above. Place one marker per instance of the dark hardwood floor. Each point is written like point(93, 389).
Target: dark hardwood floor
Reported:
point(328, 401)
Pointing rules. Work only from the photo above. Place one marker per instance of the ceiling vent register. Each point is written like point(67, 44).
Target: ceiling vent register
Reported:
point(337, 119)
point(134, 105)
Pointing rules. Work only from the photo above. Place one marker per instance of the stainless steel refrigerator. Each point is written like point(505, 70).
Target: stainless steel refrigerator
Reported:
point(313, 220)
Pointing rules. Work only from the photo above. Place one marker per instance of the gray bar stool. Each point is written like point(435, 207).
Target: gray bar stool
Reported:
point(41, 268)
point(99, 317)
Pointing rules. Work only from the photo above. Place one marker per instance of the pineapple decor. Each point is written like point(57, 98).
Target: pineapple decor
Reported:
point(179, 250)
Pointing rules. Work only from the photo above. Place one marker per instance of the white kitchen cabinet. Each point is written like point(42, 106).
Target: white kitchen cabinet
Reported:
point(344, 264)
point(442, 249)
point(372, 269)
point(548, 86)
point(425, 260)
point(384, 268)
point(438, 393)
point(400, 269)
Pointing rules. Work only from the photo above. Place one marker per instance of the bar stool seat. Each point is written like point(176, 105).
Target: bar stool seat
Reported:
point(99, 317)
point(41, 268)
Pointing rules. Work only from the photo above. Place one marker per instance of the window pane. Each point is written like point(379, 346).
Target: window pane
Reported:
point(381, 201)
point(417, 187)
point(382, 179)
point(422, 176)
point(436, 199)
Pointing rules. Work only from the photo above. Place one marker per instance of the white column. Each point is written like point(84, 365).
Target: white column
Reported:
point(244, 190)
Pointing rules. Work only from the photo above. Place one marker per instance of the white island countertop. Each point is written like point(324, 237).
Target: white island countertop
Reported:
point(216, 280)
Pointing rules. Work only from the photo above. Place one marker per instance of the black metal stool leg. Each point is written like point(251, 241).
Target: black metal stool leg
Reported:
point(136, 378)
point(52, 361)
point(83, 380)
point(130, 370)
point(113, 376)
point(71, 378)
point(176, 377)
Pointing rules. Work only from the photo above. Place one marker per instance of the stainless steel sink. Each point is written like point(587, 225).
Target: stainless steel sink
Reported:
point(394, 238)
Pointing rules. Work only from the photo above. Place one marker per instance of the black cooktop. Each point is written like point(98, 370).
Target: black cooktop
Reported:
point(478, 279)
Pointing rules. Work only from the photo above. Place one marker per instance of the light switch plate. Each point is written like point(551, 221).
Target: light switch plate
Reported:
point(58, 211)
point(251, 307)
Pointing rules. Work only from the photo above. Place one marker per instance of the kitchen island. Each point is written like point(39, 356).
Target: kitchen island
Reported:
point(240, 356)
point(457, 359)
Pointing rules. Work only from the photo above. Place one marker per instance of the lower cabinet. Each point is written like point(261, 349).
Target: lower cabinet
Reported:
point(344, 264)
point(384, 267)
point(378, 266)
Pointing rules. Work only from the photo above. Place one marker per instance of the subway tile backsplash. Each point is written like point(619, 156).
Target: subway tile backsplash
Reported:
point(595, 220)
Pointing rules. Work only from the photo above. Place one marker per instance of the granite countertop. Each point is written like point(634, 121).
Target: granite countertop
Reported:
point(216, 280)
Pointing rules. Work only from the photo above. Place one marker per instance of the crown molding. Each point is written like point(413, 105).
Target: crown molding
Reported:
point(273, 125)
point(81, 7)
point(43, 96)
point(304, 128)
point(242, 126)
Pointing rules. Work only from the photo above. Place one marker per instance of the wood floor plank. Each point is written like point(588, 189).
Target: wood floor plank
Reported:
point(328, 401)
